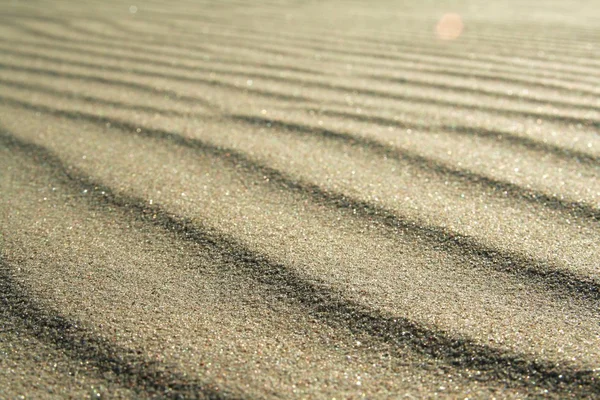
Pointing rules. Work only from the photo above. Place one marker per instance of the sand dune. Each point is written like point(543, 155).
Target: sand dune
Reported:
point(286, 199)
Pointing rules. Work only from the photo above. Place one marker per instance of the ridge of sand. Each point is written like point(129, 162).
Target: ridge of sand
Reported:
point(299, 200)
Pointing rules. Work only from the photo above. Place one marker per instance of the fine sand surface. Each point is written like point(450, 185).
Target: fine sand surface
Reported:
point(299, 199)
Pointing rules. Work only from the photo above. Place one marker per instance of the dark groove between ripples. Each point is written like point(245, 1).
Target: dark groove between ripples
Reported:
point(107, 38)
point(503, 77)
point(307, 51)
point(109, 361)
point(254, 46)
point(559, 118)
point(397, 53)
point(78, 96)
point(173, 77)
point(403, 37)
point(500, 136)
point(391, 54)
point(576, 209)
point(400, 56)
point(514, 370)
point(478, 255)
point(303, 82)
point(415, 56)
point(357, 91)
point(410, 34)
point(109, 81)
point(487, 92)
point(85, 47)
point(305, 38)
point(439, 71)
point(409, 37)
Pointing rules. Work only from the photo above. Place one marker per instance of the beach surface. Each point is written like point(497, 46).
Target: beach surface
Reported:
point(299, 199)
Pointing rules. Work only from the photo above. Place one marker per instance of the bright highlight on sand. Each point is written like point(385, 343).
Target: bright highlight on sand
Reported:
point(449, 27)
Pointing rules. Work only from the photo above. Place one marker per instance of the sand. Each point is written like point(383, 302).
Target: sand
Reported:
point(285, 199)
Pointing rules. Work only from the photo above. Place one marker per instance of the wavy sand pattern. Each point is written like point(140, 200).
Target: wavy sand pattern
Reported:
point(299, 199)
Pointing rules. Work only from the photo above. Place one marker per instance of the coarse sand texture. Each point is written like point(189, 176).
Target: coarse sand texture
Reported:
point(299, 199)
